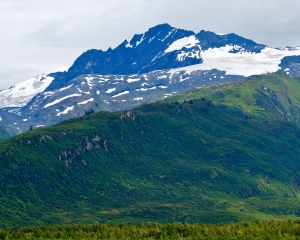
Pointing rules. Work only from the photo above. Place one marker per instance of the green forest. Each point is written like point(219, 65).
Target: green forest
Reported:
point(221, 160)
point(242, 230)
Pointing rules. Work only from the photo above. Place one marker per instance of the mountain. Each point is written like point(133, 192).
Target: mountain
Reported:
point(105, 92)
point(20, 94)
point(269, 97)
point(291, 65)
point(161, 47)
point(148, 67)
point(191, 161)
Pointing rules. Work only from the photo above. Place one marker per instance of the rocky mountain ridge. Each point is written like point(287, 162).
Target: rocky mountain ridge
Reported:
point(147, 67)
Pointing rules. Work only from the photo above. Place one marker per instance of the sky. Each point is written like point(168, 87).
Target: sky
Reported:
point(39, 36)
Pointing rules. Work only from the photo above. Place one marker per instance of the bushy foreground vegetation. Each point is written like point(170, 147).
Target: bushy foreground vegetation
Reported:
point(242, 230)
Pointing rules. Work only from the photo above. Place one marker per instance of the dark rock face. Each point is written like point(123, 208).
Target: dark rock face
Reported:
point(149, 52)
point(146, 68)
point(212, 40)
point(142, 53)
point(291, 65)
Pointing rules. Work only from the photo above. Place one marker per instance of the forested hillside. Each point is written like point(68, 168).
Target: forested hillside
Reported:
point(163, 162)
point(3, 133)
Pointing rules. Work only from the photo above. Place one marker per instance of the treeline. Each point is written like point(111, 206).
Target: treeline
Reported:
point(241, 230)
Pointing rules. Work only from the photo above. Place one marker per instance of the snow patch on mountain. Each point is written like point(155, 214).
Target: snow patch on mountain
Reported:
point(119, 94)
point(128, 45)
point(130, 80)
point(61, 99)
point(161, 77)
point(138, 99)
point(21, 93)
point(183, 55)
point(241, 63)
point(110, 90)
point(169, 34)
point(141, 40)
point(65, 111)
point(186, 42)
point(85, 102)
point(65, 88)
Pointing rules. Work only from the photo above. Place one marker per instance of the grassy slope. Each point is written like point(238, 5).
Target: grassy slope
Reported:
point(261, 97)
point(162, 162)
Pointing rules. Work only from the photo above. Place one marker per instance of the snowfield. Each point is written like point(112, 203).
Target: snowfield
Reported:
point(21, 93)
point(186, 42)
point(244, 63)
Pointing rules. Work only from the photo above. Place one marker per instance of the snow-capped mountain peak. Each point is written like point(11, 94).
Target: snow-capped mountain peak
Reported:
point(21, 93)
point(145, 67)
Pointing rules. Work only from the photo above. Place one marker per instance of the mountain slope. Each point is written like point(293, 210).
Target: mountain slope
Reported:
point(266, 97)
point(21, 93)
point(161, 162)
point(148, 67)
point(3, 133)
point(161, 47)
point(105, 93)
